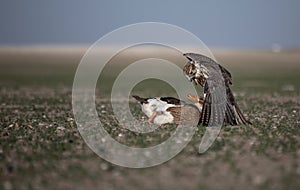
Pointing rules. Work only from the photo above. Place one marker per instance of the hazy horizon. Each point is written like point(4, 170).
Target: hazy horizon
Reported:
point(219, 24)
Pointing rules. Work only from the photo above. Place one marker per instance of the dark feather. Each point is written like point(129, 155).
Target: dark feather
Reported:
point(171, 100)
point(141, 100)
point(241, 116)
point(217, 78)
point(227, 75)
point(230, 116)
point(234, 108)
point(206, 111)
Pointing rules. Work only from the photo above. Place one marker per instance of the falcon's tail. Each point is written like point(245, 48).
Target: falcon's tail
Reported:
point(240, 115)
point(230, 116)
point(235, 110)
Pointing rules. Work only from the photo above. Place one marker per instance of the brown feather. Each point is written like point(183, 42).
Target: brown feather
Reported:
point(190, 114)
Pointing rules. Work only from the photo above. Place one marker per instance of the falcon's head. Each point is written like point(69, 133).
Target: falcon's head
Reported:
point(192, 71)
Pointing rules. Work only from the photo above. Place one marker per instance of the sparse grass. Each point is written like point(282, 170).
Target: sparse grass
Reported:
point(41, 148)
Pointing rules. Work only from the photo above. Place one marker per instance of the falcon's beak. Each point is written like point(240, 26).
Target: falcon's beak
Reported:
point(196, 81)
point(191, 78)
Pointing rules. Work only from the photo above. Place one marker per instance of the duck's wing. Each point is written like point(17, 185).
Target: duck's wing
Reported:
point(172, 100)
point(187, 114)
point(141, 100)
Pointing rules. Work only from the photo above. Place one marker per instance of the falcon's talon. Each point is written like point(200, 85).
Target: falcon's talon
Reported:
point(193, 99)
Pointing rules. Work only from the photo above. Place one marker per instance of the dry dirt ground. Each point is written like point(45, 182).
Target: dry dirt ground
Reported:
point(41, 148)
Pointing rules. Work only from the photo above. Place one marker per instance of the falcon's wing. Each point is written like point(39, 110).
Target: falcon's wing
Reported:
point(240, 118)
point(219, 103)
point(227, 75)
point(216, 107)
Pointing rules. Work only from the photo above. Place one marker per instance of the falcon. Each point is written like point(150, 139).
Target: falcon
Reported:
point(219, 106)
point(163, 110)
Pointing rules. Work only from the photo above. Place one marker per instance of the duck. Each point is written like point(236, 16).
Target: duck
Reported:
point(167, 110)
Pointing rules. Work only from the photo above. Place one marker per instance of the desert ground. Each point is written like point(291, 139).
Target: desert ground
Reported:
point(41, 148)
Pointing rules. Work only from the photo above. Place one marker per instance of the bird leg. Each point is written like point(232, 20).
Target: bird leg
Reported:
point(151, 118)
point(195, 99)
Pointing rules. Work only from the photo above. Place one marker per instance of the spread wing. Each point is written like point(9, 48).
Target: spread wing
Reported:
point(219, 103)
point(216, 106)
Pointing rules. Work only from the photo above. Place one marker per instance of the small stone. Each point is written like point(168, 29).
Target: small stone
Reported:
point(288, 88)
point(104, 166)
point(60, 128)
point(7, 185)
point(116, 174)
point(252, 142)
point(258, 180)
point(30, 127)
point(102, 106)
point(294, 111)
point(41, 124)
point(298, 170)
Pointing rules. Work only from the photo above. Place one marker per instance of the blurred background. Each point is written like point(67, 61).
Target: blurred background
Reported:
point(56, 32)
point(231, 24)
point(42, 43)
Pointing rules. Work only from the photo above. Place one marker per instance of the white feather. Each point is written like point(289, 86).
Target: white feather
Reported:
point(156, 105)
point(199, 106)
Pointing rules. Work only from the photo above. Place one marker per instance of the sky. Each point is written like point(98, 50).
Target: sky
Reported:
point(224, 24)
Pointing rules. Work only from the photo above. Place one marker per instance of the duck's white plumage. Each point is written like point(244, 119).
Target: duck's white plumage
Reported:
point(160, 107)
point(163, 110)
